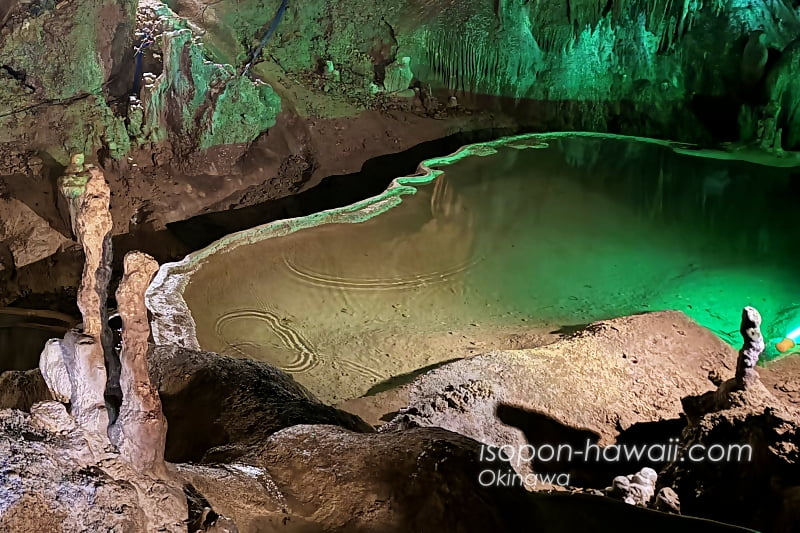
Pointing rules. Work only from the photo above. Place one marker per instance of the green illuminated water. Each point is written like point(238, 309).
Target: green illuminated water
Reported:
point(556, 234)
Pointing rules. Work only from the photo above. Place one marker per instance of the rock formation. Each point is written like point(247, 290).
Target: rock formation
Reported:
point(75, 371)
point(752, 349)
point(754, 59)
point(140, 431)
point(228, 406)
point(63, 478)
point(83, 354)
point(782, 88)
point(324, 478)
point(172, 124)
point(667, 501)
point(754, 483)
point(20, 390)
point(596, 385)
point(635, 489)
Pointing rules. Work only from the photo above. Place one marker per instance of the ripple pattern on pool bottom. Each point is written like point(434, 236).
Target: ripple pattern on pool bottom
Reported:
point(293, 353)
point(302, 356)
point(322, 279)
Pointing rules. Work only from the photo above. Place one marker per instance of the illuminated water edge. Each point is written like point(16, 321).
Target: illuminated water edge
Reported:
point(173, 323)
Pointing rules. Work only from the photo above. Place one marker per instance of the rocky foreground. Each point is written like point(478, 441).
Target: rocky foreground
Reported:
point(257, 453)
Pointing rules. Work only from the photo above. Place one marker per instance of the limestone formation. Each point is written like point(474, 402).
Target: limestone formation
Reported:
point(75, 368)
point(598, 383)
point(635, 489)
point(754, 59)
point(60, 478)
point(75, 371)
point(783, 87)
point(92, 226)
point(54, 370)
point(758, 433)
point(83, 352)
point(752, 349)
point(140, 431)
point(667, 501)
point(28, 236)
point(398, 76)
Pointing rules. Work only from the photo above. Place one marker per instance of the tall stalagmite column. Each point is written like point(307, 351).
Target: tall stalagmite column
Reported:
point(752, 348)
point(140, 431)
point(89, 197)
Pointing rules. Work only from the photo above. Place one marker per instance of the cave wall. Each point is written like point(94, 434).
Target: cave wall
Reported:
point(666, 68)
point(195, 134)
point(621, 65)
point(61, 64)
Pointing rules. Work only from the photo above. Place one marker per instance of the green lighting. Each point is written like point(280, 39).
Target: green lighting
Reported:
point(794, 334)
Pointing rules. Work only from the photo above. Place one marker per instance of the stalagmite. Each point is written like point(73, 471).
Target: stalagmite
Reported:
point(750, 329)
point(75, 368)
point(82, 354)
point(140, 431)
point(54, 370)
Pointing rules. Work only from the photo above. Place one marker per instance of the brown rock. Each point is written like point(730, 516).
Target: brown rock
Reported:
point(609, 379)
point(140, 430)
point(85, 353)
point(212, 401)
point(323, 478)
point(757, 435)
point(28, 236)
point(20, 390)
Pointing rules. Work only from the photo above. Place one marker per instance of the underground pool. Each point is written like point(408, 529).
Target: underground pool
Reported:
point(501, 241)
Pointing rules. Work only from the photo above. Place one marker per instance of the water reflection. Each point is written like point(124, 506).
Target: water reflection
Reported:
point(567, 232)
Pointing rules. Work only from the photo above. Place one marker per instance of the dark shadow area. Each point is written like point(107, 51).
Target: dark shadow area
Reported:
point(569, 330)
point(388, 417)
point(543, 430)
point(213, 401)
point(590, 465)
point(569, 513)
point(404, 379)
point(656, 432)
point(23, 335)
point(719, 115)
point(193, 419)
